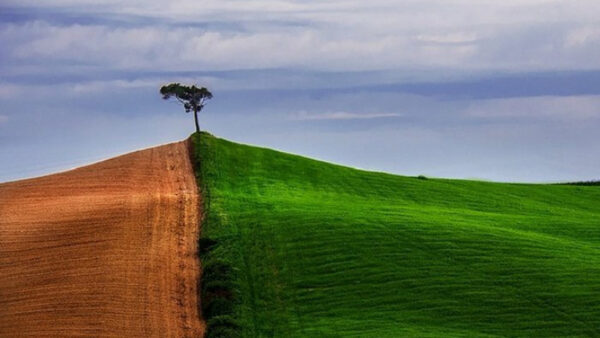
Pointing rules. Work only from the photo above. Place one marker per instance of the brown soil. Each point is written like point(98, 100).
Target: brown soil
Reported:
point(103, 250)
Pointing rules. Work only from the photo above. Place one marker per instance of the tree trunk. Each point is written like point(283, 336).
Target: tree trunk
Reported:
point(196, 120)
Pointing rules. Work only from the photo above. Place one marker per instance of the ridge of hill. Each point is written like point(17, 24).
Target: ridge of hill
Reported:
point(107, 249)
point(297, 247)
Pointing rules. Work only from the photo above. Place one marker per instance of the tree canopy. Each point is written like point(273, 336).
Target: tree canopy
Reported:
point(192, 97)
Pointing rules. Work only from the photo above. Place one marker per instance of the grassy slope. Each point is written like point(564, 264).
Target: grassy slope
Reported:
point(324, 250)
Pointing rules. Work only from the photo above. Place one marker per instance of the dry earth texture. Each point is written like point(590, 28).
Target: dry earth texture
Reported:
point(103, 250)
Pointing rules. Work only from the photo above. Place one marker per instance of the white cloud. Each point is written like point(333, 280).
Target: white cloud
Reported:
point(449, 38)
point(99, 86)
point(341, 115)
point(582, 36)
point(193, 48)
point(9, 91)
point(567, 109)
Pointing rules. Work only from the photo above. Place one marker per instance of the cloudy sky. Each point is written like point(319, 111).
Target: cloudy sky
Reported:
point(497, 90)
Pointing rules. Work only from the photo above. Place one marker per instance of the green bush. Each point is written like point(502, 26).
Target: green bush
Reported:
point(222, 332)
point(216, 287)
point(216, 292)
point(217, 307)
point(222, 326)
point(217, 270)
point(205, 245)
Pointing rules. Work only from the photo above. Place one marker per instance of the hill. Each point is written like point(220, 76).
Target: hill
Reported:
point(103, 250)
point(295, 247)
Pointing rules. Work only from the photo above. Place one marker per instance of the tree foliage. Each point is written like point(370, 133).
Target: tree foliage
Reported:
point(192, 97)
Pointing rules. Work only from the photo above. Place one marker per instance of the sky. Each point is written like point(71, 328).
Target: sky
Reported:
point(478, 89)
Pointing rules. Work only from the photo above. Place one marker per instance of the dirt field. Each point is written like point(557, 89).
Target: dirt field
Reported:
point(103, 250)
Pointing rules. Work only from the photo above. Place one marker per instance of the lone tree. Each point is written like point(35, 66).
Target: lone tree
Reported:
point(191, 97)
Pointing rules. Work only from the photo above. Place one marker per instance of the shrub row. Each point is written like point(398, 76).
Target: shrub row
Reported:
point(216, 288)
point(217, 293)
point(595, 182)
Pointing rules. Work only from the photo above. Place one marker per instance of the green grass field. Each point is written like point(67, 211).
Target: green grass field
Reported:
point(311, 249)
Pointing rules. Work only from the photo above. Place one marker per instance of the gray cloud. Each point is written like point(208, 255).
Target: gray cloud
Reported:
point(570, 109)
point(340, 115)
point(342, 35)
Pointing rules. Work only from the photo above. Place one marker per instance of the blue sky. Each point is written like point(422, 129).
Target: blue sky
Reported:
point(506, 91)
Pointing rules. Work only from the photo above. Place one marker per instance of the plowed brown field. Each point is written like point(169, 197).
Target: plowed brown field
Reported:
point(103, 250)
